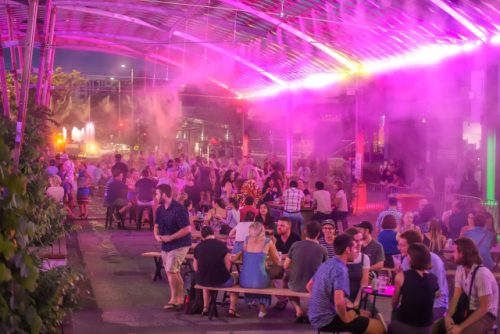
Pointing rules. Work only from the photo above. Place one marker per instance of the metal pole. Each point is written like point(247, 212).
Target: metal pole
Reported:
point(119, 109)
point(13, 55)
point(133, 122)
point(25, 80)
point(3, 80)
point(43, 51)
point(49, 71)
point(289, 135)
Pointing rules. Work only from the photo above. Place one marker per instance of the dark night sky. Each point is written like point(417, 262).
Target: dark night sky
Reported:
point(97, 63)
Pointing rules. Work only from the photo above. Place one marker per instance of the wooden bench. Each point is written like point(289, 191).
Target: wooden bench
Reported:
point(212, 307)
point(159, 262)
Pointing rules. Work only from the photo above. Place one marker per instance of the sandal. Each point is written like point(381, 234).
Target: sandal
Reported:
point(281, 305)
point(173, 308)
point(299, 319)
point(234, 314)
point(204, 312)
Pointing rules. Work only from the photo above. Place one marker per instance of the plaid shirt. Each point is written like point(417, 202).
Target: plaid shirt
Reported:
point(292, 198)
point(389, 211)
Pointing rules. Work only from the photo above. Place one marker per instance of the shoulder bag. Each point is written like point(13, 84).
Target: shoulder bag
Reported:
point(463, 311)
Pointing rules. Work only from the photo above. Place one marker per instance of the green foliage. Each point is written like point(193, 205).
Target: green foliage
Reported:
point(31, 300)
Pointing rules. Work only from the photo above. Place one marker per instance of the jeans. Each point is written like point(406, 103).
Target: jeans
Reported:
point(296, 217)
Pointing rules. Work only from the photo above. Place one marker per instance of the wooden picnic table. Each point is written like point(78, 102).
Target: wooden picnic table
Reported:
point(306, 210)
point(218, 236)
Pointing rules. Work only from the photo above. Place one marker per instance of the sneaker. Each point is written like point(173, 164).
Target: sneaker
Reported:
point(262, 314)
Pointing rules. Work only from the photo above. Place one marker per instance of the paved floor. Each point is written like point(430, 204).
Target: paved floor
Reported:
point(123, 298)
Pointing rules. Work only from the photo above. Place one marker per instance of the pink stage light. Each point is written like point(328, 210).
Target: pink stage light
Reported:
point(495, 39)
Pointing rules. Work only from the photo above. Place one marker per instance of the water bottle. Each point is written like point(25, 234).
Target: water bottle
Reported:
point(374, 284)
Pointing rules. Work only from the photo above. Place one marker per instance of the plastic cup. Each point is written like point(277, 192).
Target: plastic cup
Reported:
point(279, 255)
point(397, 260)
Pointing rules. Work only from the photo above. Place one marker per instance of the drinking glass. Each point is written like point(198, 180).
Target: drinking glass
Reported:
point(397, 260)
point(382, 283)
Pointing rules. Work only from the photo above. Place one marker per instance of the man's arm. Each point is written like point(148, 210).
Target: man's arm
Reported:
point(341, 307)
point(158, 237)
point(477, 314)
point(377, 225)
point(195, 264)
point(227, 261)
point(288, 263)
point(377, 266)
point(179, 234)
point(309, 285)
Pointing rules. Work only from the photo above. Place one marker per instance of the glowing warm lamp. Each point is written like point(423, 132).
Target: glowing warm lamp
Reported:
point(123, 66)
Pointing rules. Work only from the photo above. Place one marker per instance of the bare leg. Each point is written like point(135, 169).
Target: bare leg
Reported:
point(175, 288)
point(209, 197)
point(81, 208)
point(206, 298)
point(380, 318)
point(296, 303)
point(202, 195)
point(86, 209)
point(69, 206)
point(233, 298)
point(375, 326)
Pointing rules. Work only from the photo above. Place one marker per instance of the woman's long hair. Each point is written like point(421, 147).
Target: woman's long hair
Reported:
point(266, 184)
point(226, 178)
point(257, 231)
point(436, 243)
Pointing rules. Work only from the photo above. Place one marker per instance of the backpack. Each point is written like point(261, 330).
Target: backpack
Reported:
point(193, 301)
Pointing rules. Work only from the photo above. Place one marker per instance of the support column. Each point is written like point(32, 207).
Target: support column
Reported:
point(25, 80)
point(289, 133)
point(13, 55)
point(49, 70)
point(43, 50)
point(3, 81)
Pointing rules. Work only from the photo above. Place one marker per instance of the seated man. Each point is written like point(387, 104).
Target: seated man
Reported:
point(285, 238)
point(212, 263)
point(249, 206)
point(322, 200)
point(306, 257)
point(113, 195)
point(329, 287)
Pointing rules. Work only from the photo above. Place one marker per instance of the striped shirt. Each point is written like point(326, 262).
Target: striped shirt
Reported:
point(329, 247)
point(330, 277)
point(389, 211)
point(485, 284)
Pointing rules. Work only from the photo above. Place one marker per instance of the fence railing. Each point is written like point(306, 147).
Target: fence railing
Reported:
point(378, 194)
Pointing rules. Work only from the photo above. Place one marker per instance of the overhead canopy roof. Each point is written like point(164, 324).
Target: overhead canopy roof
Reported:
point(254, 45)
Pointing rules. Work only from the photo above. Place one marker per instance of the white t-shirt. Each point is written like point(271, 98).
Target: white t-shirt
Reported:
point(304, 173)
point(56, 193)
point(366, 261)
point(323, 201)
point(342, 206)
point(242, 231)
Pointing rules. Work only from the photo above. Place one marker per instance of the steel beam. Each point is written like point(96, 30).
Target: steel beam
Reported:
point(13, 54)
point(49, 72)
point(48, 29)
point(25, 80)
point(3, 81)
point(177, 23)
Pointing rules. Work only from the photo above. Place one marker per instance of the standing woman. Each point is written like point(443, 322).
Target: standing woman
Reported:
point(416, 289)
point(253, 273)
point(192, 186)
point(264, 217)
point(340, 203)
point(250, 188)
point(82, 194)
point(205, 181)
point(434, 239)
point(406, 223)
point(132, 196)
point(228, 189)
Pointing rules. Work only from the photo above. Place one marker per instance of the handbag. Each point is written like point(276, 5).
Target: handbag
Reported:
point(463, 311)
point(225, 229)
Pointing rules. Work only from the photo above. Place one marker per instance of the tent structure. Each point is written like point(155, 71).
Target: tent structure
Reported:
point(249, 47)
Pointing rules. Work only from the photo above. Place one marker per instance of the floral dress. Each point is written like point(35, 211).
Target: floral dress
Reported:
point(250, 188)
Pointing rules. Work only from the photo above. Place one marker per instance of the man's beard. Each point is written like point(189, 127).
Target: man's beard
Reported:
point(162, 201)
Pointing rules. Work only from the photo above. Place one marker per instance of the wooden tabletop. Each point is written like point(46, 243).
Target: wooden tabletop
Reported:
point(218, 236)
point(281, 206)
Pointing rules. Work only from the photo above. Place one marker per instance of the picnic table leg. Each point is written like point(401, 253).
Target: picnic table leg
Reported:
point(158, 264)
point(224, 298)
point(212, 306)
point(373, 306)
point(498, 259)
point(238, 268)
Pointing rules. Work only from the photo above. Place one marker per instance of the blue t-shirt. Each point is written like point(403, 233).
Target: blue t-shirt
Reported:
point(388, 240)
point(439, 270)
point(480, 233)
point(145, 187)
point(113, 190)
point(331, 276)
point(171, 220)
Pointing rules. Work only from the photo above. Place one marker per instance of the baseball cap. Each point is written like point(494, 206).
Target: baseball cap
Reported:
point(64, 156)
point(365, 224)
point(328, 222)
